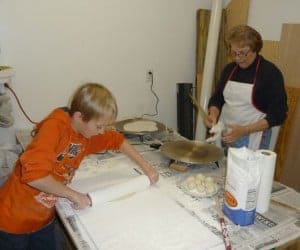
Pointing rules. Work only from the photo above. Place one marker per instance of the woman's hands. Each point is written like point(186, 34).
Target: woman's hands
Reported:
point(212, 117)
point(233, 133)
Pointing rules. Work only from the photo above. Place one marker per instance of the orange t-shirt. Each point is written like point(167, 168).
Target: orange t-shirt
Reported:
point(55, 150)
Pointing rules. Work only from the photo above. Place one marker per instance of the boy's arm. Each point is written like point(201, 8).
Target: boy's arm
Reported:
point(49, 185)
point(131, 152)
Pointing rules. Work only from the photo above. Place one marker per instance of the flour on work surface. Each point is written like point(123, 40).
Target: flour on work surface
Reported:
point(147, 220)
point(138, 126)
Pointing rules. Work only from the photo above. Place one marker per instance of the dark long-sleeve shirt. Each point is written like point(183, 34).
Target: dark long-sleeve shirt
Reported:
point(268, 96)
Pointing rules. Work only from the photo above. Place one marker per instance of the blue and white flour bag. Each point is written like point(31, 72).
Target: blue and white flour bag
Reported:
point(241, 186)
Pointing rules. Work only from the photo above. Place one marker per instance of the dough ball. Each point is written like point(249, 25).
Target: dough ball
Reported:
point(199, 181)
point(200, 177)
point(190, 178)
point(209, 179)
point(200, 188)
point(211, 188)
point(191, 185)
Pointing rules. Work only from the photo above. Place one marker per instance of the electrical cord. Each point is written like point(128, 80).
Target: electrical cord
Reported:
point(33, 122)
point(19, 103)
point(155, 95)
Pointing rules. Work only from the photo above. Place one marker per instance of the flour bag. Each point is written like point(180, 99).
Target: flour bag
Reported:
point(241, 186)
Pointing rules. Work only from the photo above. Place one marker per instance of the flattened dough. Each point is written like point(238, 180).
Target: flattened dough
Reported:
point(138, 126)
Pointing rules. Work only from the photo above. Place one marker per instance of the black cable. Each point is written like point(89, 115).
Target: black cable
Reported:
point(156, 97)
point(18, 101)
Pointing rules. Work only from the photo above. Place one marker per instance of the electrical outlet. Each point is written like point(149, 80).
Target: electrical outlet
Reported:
point(149, 75)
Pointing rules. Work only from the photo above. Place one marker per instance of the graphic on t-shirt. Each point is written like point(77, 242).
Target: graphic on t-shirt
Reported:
point(72, 151)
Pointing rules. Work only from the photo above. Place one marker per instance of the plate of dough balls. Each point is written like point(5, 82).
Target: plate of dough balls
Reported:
point(200, 185)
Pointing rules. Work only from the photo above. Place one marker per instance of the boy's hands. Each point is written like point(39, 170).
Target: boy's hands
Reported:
point(150, 172)
point(152, 175)
point(49, 185)
point(80, 201)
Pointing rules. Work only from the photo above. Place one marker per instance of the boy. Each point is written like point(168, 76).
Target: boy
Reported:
point(27, 199)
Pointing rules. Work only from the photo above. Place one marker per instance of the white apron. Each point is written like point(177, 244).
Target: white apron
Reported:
point(238, 108)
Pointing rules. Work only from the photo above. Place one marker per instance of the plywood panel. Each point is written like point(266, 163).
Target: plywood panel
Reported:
point(222, 55)
point(270, 51)
point(203, 17)
point(289, 54)
point(237, 12)
point(291, 171)
point(287, 147)
point(293, 245)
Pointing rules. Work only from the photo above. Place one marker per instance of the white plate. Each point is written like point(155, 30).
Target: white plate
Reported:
point(195, 193)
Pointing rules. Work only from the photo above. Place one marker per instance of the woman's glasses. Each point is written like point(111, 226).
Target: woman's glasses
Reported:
point(240, 54)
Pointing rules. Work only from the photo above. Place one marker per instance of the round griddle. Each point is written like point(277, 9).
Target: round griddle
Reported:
point(192, 151)
point(120, 126)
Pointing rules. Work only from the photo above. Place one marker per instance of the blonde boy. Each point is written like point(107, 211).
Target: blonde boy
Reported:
point(27, 199)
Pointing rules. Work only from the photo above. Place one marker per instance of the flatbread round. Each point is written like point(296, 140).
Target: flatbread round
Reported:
point(138, 126)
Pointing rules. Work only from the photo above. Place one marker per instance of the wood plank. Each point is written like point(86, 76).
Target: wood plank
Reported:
point(289, 54)
point(237, 13)
point(291, 161)
point(291, 245)
point(270, 51)
point(203, 17)
point(287, 147)
point(222, 55)
point(288, 159)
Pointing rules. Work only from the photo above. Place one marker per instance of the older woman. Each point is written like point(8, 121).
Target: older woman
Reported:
point(250, 97)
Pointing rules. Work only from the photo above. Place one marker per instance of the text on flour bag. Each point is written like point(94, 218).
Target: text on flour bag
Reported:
point(241, 186)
